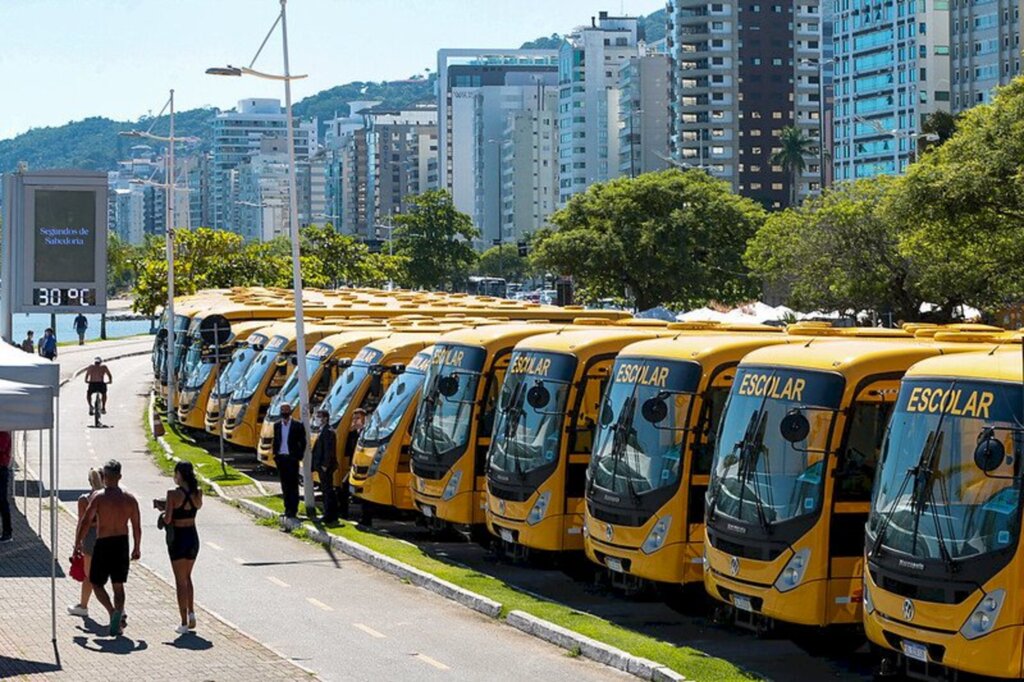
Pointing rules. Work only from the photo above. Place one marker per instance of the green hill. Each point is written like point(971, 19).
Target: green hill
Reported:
point(652, 28)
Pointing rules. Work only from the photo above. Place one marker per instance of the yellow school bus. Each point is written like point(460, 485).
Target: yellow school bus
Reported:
point(944, 586)
point(452, 430)
point(264, 378)
point(363, 384)
point(325, 362)
point(201, 374)
point(543, 434)
point(651, 463)
point(790, 487)
point(380, 474)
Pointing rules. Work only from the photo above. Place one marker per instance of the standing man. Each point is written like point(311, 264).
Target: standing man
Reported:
point(6, 535)
point(48, 345)
point(111, 509)
point(289, 448)
point(355, 430)
point(81, 324)
point(325, 462)
point(29, 344)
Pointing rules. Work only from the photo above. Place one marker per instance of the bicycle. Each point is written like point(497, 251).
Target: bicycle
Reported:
point(97, 407)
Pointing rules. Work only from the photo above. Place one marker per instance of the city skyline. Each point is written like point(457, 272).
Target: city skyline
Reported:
point(86, 72)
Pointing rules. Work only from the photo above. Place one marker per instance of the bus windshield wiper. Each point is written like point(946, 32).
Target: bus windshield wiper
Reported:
point(750, 455)
point(891, 512)
point(925, 476)
point(748, 434)
point(515, 412)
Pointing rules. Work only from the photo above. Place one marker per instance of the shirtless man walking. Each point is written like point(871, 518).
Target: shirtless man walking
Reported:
point(97, 376)
point(111, 509)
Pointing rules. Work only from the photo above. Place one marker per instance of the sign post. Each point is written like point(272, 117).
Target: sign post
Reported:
point(54, 244)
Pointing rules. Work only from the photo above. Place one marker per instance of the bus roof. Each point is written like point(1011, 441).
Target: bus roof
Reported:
point(590, 341)
point(699, 347)
point(999, 366)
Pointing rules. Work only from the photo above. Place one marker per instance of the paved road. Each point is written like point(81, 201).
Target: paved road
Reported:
point(331, 614)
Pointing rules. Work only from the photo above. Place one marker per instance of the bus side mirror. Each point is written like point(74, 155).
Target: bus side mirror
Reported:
point(990, 451)
point(794, 427)
point(538, 396)
point(448, 385)
point(294, 360)
point(397, 369)
point(654, 410)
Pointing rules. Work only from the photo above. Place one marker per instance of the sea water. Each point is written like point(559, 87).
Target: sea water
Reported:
point(65, 330)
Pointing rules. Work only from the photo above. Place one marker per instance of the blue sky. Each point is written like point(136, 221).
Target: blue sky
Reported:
point(63, 60)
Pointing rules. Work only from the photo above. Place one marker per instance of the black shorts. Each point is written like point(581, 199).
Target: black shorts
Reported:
point(110, 559)
point(185, 544)
point(97, 387)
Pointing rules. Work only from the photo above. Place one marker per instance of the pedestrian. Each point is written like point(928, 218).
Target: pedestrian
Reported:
point(289, 447)
point(88, 543)
point(111, 510)
point(355, 430)
point(29, 344)
point(81, 324)
point(6, 534)
point(325, 463)
point(180, 507)
point(48, 345)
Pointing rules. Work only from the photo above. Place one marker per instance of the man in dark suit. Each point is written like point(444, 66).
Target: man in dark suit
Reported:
point(289, 449)
point(325, 462)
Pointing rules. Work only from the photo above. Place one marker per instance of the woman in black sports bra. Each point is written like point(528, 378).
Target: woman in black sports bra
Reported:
point(183, 541)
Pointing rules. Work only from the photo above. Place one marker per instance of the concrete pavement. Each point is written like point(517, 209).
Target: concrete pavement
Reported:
point(331, 614)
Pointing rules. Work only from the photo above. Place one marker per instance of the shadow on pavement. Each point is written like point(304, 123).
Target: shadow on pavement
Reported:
point(113, 645)
point(10, 667)
point(27, 556)
point(191, 641)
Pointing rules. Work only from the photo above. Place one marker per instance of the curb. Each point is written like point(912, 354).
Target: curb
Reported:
point(471, 600)
point(589, 648)
point(169, 453)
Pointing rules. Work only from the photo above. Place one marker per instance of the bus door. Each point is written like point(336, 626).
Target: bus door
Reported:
point(582, 431)
point(487, 413)
point(853, 475)
point(702, 449)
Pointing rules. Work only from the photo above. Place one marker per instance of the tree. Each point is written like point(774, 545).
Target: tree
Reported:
point(339, 255)
point(503, 261)
point(123, 261)
point(435, 240)
point(672, 237)
point(941, 124)
point(793, 149)
point(841, 251)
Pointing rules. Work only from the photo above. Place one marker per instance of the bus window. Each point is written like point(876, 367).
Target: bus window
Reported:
point(587, 407)
point(856, 469)
point(704, 443)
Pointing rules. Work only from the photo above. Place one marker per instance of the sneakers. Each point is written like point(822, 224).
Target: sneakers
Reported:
point(182, 629)
point(191, 620)
point(116, 623)
point(78, 610)
point(7, 538)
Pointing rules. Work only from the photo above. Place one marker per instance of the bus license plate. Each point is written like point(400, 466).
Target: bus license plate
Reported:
point(427, 511)
point(505, 534)
point(918, 652)
point(614, 564)
point(742, 603)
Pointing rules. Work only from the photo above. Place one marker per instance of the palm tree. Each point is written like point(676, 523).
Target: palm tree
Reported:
point(793, 149)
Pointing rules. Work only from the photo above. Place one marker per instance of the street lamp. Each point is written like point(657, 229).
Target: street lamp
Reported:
point(171, 140)
point(300, 328)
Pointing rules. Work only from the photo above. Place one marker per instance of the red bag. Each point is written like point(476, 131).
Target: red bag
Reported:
point(77, 568)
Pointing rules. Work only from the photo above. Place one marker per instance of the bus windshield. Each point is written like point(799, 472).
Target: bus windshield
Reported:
point(759, 476)
point(392, 407)
point(290, 391)
point(253, 376)
point(344, 390)
point(443, 421)
point(235, 370)
point(198, 375)
point(531, 406)
point(642, 426)
point(931, 501)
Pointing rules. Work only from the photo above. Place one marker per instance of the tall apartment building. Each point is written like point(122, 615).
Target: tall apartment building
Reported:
point(643, 114)
point(138, 209)
point(985, 49)
point(588, 72)
point(395, 140)
point(197, 174)
point(892, 70)
point(236, 135)
point(529, 166)
point(477, 90)
point(741, 73)
point(345, 169)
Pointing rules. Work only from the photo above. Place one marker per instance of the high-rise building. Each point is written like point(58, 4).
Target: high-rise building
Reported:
point(643, 114)
point(345, 169)
point(395, 141)
point(984, 48)
point(741, 74)
point(137, 204)
point(891, 72)
point(477, 90)
point(529, 166)
point(196, 170)
point(237, 134)
point(588, 124)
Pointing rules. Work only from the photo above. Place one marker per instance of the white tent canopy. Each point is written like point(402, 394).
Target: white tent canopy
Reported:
point(25, 407)
point(17, 365)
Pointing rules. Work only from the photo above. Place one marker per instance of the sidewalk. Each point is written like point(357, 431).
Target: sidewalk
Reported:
point(149, 648)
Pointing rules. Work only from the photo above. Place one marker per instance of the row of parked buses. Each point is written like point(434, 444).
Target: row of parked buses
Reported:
point(839, 481)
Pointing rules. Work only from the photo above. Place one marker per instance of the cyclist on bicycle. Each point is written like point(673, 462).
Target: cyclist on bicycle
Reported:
point(97, 376)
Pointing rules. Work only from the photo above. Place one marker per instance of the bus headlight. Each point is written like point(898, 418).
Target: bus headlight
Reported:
point(656, 538)
point(869, 606)
point(540, 508)
point(453, 486)
point(378, 455)
point(984, 617)
point(793, 573)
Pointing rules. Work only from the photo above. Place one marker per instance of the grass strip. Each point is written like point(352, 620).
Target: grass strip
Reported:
point(689, 662)
point(204, 463)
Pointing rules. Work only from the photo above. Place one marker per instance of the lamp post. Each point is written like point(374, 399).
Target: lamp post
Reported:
point(169, 243)
point(293, 205)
